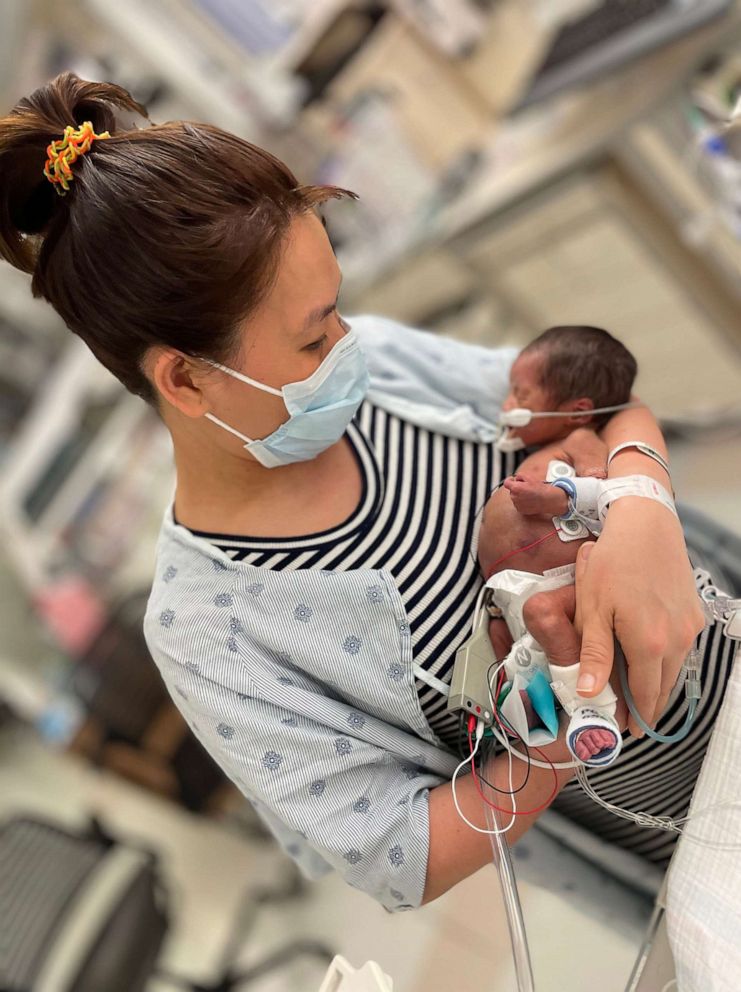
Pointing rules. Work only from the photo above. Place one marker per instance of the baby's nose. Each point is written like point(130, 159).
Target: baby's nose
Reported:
point(509, 403)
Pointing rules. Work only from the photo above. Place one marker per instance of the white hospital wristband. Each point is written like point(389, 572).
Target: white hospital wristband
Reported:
point(632, 485)
point(645, 449)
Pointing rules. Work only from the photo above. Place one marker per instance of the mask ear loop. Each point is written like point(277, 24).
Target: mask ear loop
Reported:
point(232, 430)
point(245, 378)
point(250, 382)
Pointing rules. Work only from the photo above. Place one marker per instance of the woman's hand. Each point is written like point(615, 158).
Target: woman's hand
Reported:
point(638, 582)
point(549, 617)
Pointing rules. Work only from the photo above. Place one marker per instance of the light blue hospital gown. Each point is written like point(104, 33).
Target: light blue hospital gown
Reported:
point(301, 684)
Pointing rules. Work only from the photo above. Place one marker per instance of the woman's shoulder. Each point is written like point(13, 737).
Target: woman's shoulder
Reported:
point(198, 591)
point(436, 381)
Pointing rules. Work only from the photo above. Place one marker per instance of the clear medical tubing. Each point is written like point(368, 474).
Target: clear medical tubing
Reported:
point(503, 861)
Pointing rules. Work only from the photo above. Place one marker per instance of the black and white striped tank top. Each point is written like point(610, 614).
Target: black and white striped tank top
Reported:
point(418, 518)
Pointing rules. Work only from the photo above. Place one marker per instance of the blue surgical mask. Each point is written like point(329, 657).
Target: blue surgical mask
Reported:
point(319, 408)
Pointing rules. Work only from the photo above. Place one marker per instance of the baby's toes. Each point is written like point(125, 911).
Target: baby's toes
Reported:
point(591, 742)
point(603, 739)
point(583, 748)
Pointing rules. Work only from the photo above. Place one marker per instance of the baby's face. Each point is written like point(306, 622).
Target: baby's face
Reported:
point(525, 390)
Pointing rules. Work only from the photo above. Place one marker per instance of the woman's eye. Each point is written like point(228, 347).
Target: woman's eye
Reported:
point(316, 345)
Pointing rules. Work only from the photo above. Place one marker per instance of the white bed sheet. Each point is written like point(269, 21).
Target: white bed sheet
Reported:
point(704, 885)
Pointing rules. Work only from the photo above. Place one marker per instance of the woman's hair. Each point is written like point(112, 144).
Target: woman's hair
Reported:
point(585, 361)
point(170, 234)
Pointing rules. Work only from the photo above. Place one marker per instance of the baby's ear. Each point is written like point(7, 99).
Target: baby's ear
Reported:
point(585, 406)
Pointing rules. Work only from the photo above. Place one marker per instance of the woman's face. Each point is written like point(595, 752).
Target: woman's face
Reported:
point(283, 341)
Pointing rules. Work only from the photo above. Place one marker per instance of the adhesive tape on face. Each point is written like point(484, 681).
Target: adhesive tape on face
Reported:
point(518, 417)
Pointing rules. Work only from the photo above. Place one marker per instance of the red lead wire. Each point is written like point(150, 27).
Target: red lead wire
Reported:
point(517, 812)
point(525, 548)
point(499, 809)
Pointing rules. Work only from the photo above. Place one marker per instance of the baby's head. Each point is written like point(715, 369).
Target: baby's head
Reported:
point(569, 368)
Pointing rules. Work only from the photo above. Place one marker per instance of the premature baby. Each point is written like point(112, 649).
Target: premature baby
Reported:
point(520, 550)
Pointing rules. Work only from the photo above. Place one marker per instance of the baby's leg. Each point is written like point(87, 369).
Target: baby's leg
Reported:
point(593, 734)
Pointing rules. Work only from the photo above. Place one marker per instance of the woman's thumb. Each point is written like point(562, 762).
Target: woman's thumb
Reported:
point(596, 656)
point(597, 647)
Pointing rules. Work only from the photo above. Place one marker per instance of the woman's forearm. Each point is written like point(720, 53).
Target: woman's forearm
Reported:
point(455, 850)
point(639, 586)
point(635, 424)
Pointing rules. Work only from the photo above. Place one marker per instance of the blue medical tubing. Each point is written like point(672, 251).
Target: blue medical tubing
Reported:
point(691, 689)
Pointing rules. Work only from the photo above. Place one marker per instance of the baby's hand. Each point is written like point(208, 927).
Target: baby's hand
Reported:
point(586, 452)
point(531, 497)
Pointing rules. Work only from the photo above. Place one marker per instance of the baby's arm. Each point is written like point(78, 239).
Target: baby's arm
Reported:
point(582, 449)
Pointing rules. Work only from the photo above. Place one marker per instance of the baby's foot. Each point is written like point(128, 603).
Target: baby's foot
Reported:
point(531, 497)
point(533, 720)
point(592, 741)
point(593, 736)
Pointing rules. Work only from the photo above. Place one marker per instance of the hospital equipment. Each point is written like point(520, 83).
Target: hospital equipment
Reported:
point(716, 608)
point(84, 910)
point(590, 498)
point(581, 519)
point(609, 34)
point(469, 681)
point(645, 449)
point(521, 417)
point(515, 921)
point(527, 669)
point(691, 689)
point(342, 977)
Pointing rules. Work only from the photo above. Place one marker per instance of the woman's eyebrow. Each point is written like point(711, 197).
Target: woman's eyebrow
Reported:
point(316, 315)
point(321, 312)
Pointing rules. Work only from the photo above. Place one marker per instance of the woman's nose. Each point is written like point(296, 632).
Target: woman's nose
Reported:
point(337, 334)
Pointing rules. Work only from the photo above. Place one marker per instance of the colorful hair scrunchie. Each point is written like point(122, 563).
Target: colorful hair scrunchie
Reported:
point(62, 153)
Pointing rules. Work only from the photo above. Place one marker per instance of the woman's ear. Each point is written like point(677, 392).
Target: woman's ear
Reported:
point(177, 380)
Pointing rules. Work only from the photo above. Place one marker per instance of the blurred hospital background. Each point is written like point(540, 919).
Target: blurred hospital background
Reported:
point(520, 163)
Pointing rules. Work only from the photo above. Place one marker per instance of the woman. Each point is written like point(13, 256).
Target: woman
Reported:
point(316, 570)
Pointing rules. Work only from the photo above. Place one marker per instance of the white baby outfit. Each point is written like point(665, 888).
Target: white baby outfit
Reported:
point(527, 661)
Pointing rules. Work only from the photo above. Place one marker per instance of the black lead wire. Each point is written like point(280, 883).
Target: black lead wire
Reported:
point(462, 739)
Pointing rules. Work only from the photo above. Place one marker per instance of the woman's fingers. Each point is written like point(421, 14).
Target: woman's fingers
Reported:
point(621, 710)
point(597, 640)
point(644, 678)
point(671, 671)
point(655, 662)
